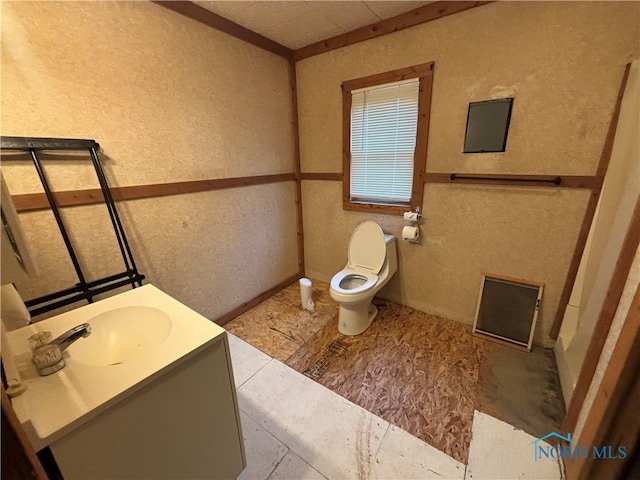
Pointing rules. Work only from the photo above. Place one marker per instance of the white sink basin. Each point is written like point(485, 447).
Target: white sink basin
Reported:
point(120, 334)
point(136, 336)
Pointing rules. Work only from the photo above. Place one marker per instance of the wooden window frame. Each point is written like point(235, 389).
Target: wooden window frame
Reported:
point(424, 73)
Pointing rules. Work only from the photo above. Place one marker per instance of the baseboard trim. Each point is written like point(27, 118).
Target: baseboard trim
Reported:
point(248, 305)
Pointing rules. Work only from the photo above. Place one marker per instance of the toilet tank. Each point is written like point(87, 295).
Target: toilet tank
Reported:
point(391, 259)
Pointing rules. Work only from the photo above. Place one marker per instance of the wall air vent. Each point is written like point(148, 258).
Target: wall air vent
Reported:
point(507, 310)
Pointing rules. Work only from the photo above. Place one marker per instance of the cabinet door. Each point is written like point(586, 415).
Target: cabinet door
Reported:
point(183, 424)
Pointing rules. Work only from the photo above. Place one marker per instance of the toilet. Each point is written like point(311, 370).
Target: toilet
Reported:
point(372, 262)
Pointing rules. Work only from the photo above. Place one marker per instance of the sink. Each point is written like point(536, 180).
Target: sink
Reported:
point(137, 336)
point(121, 334)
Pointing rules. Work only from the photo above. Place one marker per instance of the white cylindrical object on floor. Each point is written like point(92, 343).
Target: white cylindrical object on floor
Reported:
point(305, 294)
point(412, 234)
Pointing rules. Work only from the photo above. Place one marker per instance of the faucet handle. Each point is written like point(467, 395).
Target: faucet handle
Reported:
point(39, 339)
point(48, 359)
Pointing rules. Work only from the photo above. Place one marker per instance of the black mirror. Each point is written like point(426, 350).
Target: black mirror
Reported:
point(487, 126)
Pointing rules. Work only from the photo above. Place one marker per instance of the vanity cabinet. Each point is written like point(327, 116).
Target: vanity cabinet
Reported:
point(183, 425)
point(149, 394)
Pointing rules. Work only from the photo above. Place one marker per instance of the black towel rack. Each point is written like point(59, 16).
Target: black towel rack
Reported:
point(82, 290)
point(515, 179)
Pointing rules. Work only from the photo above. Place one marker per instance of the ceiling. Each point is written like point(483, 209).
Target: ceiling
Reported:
point(296, 24)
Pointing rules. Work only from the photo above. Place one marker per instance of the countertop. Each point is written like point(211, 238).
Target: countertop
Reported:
point(54, 405)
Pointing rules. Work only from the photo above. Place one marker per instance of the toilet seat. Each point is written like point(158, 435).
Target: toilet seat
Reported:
point(370, 280)
point(367, 252)
point(367, 248)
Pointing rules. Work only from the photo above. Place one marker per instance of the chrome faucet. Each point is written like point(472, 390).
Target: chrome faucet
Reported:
point(70, 336)
point(48, 358)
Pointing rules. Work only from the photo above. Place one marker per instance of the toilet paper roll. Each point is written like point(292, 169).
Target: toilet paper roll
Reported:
point(411, 216)
point(411, 234)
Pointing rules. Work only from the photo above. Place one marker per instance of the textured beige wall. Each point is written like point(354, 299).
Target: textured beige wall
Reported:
point(620, 193)
point(615, 213)
point(169, 100)
point(561, 62)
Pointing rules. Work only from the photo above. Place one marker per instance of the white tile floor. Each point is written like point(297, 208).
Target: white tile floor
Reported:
point(294, 429)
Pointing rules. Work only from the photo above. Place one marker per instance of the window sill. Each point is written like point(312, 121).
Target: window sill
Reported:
point(376, 208)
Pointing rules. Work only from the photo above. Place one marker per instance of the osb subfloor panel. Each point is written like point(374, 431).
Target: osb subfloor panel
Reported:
point(279, 326)
point(417, 371)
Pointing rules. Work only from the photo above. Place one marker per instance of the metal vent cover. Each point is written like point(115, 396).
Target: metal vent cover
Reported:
point(508, 309)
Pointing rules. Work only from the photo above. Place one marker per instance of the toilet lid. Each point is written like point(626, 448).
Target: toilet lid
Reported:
point(367, 248)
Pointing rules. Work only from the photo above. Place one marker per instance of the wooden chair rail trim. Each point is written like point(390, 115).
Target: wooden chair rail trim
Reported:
point(568, 181)
point(321, 176)
point(38, 201)
point(426, 13)
point(202, 15)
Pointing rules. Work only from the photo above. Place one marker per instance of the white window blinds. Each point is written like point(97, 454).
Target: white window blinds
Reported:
point(383, 139)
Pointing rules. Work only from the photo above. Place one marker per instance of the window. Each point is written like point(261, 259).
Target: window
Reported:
point(386, 126)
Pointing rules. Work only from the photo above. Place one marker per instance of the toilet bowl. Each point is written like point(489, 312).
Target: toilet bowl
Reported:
point(372, 262)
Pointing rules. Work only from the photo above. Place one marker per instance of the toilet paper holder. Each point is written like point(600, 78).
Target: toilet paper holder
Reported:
point(411, 232)
point(412, 217)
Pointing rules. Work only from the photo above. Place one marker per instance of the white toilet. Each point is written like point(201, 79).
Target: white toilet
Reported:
point(372, 262)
